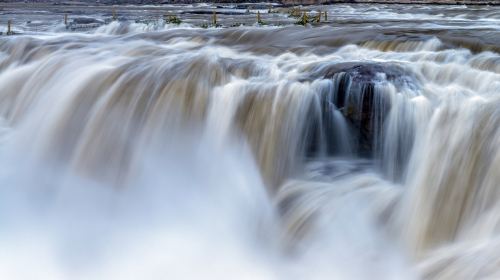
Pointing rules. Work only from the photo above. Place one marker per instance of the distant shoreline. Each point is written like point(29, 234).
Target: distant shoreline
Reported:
point(280, 2)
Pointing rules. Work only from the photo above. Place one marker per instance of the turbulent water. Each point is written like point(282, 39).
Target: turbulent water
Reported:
point(364, 148)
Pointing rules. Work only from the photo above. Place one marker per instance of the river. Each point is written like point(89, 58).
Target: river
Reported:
point(365, 146)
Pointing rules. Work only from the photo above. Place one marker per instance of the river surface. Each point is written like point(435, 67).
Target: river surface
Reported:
point(363, 146)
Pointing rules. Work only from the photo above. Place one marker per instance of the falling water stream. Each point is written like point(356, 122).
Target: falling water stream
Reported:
point(356, 150)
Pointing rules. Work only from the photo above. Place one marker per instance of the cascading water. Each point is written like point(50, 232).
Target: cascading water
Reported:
point(249, 153)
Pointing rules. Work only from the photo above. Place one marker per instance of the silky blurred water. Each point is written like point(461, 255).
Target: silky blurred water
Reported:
point(364, 147)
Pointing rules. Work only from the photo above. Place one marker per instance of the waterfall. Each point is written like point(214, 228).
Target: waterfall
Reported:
point(281, 153)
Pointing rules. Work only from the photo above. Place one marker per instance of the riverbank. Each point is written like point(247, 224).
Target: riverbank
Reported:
point(280, 2)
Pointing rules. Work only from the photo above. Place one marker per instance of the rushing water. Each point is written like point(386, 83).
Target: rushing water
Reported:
point(365, 148)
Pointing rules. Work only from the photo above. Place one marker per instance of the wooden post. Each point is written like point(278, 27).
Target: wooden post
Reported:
point(9, 31)
point(114, 14)
point(66, 19)
point(326, 15)
point(258, 17)
point(270, 9)
point(214, 19)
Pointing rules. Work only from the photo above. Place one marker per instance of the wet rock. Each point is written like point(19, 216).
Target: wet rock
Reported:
point(373, 72)
point(363, 101)
point(86, 20)
point(360, 95)
point(210, 12)
point(84, 23)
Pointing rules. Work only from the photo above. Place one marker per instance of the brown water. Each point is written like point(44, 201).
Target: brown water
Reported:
point(366, 147)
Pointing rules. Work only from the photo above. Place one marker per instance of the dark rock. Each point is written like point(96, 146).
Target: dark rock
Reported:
point(86, 20)
point(210, 12)
point(358, 96)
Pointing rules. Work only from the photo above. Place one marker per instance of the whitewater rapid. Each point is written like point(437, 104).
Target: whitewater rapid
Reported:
point(137, 152)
